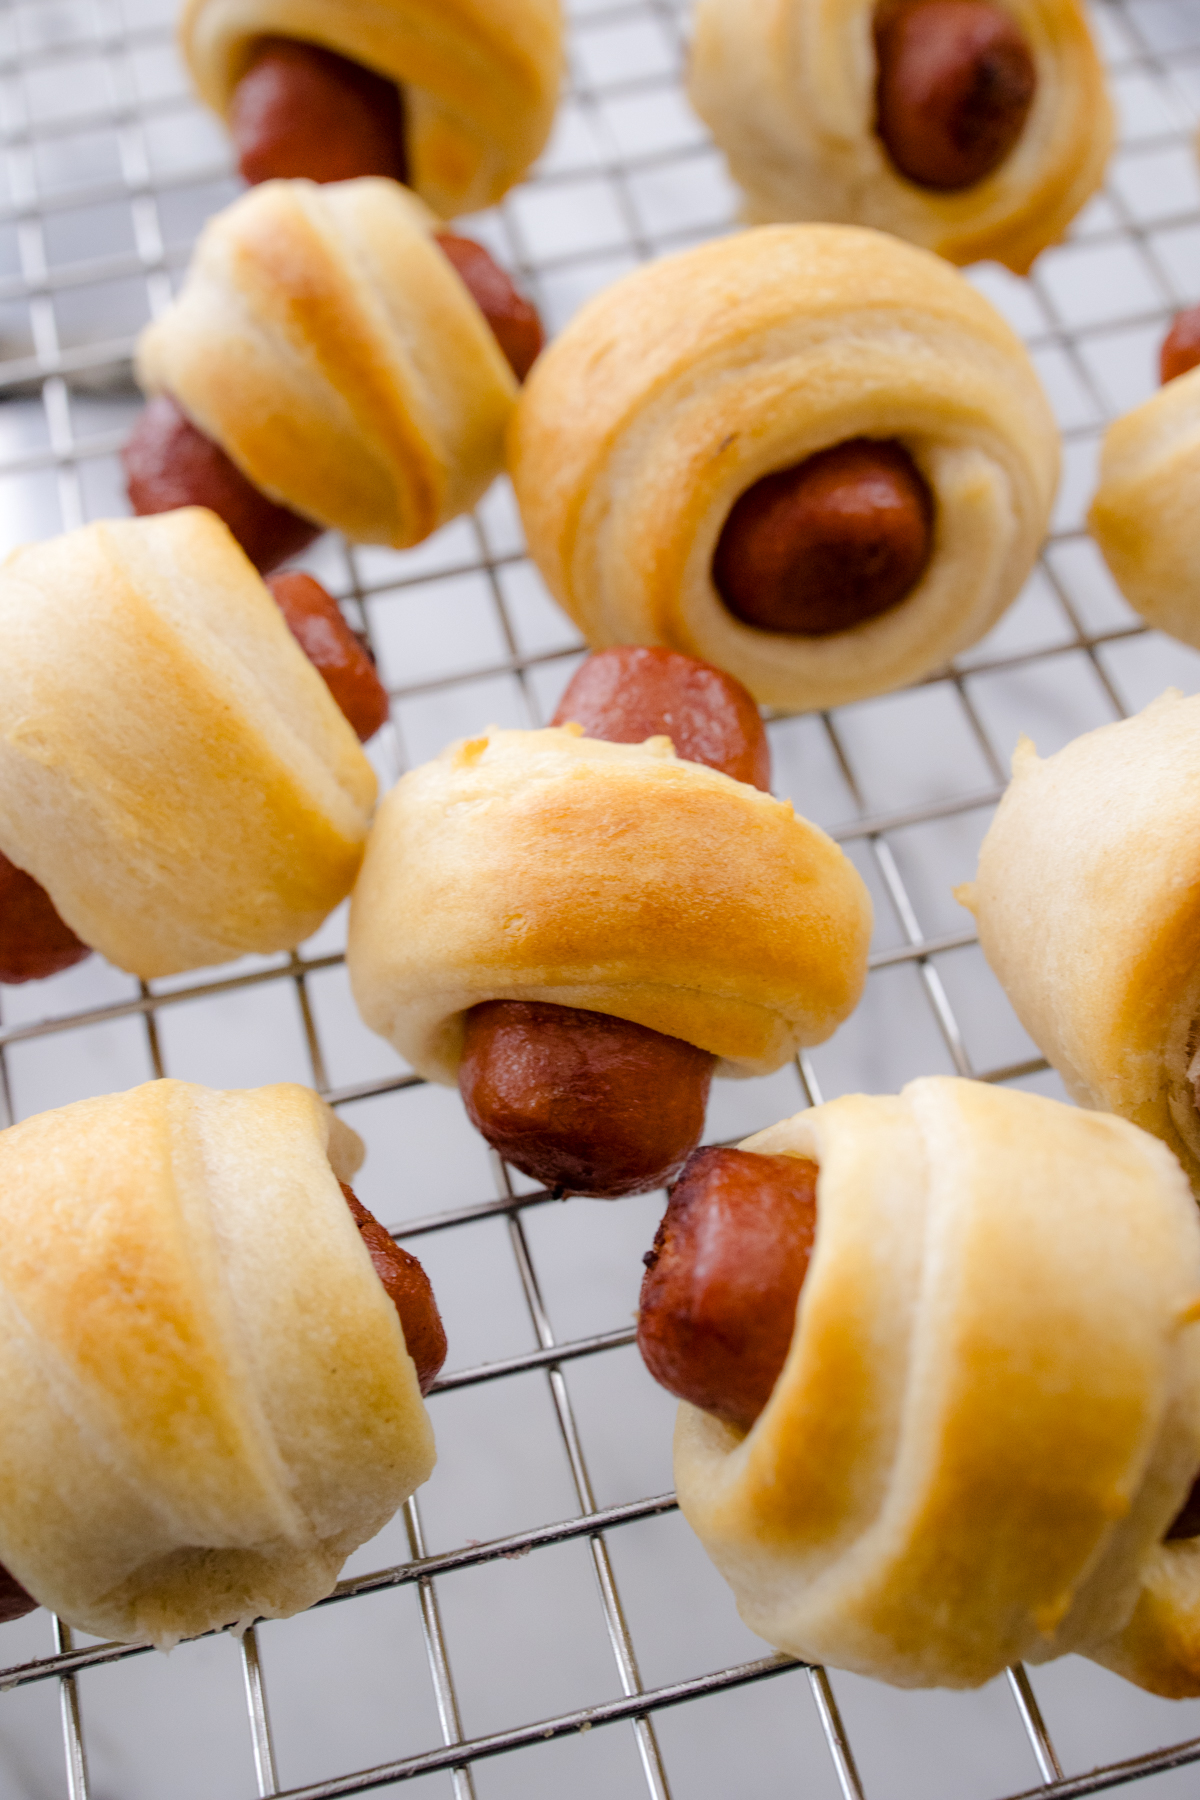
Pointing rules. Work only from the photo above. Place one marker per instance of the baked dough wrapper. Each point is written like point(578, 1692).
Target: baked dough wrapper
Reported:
point(1144, 515)
point(173, 770)
point(1087, 902)
point(685, 382)
point(787, 88)
point(206, 1395)
point(480, 78)
point(330, 348)
point(543, 865)
point(990, 1411)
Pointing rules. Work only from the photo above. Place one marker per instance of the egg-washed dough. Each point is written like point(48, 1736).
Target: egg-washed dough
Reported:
point(543, 865)
point(787, 88)
point(1087, 901)
point(479, 78)
point(990, 1411)
point(684, 383)
point(206, 1398)
point(1144, 516)
point(173, 770)
point(330, 348)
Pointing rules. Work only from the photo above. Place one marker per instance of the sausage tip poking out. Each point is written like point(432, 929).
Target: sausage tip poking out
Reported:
point(582, 1102)
point(34, 941)
point(629, 693)
point(301, 111)
point(1181, 346)
point(14, 1601)
point(829, 544)
point(408, 1288)
point(718, 1301)
point(515, 323)
point(315, 620)
point(170, 463)
point(955, 82)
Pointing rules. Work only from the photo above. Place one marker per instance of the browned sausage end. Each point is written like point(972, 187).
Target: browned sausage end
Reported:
point(629, 693)
point(315, 620)
point(955, 81)
point(1181, 346)
point(582, 1102)
point(515, 323)
point(301, 111)
point(718, 1302)
point(408, 1288)
point(34, 941)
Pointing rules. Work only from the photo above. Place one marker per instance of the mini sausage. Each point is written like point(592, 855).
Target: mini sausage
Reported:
point(1181, 346)
point(718, 1301)
point(14, 1601)
point(170, 463)
point(34, 941)
point(409, 1291)
point(954, 85)
point(514, 320)
point(303, 111)
point(628, 694)
point(826, 545)
point(315, 620)
point(580, 1101)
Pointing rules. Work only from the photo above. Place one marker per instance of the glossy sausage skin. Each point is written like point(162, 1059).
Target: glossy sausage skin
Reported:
point(718, 1303)
point(628, 694)
point(514, 320)
point(409, 1291)
point(315, 620)
point(301, 110)
point(1181, 346)
point(14, 1601)
point(826, 545)
point(34, 941)
point(955, 82)
point(169, 463)
point(582, 1102)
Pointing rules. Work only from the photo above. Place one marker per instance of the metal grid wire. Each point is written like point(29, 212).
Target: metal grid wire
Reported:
point(109, 168)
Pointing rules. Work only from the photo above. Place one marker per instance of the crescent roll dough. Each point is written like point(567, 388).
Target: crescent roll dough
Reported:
point(207, 1402)
point(686, 382)
point(323, 340)
point(990, 1411)
point(173, 770)
point(787, 88)
point(480, 78)
point(1144, 515)
point(543, 865)
point(1087, 901)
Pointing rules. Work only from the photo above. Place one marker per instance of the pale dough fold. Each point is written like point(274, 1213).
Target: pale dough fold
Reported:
point(543, 865)
point(787, 88)
point(1145, 517)
point(684, 383)
point(990, 1411)
point(479, 78)
point(173, 770)
point(1087, 901)
point(323, 340)
point(206, 1396)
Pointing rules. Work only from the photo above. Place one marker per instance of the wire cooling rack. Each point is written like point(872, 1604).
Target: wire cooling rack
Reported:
point(543, 1585)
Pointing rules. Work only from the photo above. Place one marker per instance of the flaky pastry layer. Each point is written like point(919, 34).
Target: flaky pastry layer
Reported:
point(543, 865)
point(207, 1403)
point(684, 383)
point(990, 1411)
point(787, 88)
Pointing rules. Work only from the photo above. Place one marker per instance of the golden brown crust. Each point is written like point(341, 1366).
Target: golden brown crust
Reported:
point(991, 1407)
point(207, 1401)
point(324, 341)
point(173, 770)
point(542, 865)
point(480, 77)
point(787, 88)
point(1144, 515)
point(679, 387)
point(1087, 901)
